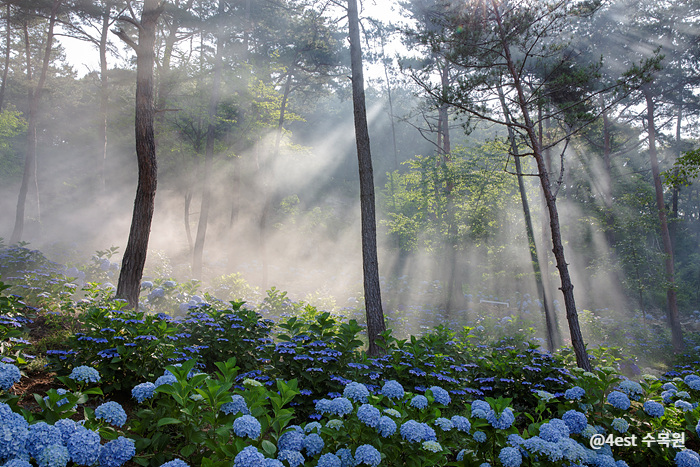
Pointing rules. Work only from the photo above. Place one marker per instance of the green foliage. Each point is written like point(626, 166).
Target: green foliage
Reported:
point(11, 125)
point(230, 333)
point(185, 417)
point(685, 169)
point(124, 345)
point(13, 321)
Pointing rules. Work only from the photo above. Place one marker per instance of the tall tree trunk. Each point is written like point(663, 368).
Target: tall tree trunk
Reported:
point(104, 94)
point(676, 190)
point(607, 179)
point(8, 49)
point(567, 286)
point(454, 294)
point(34, 96)
point(136, 249)
point(550, 318)
point(370, 262)
point(671, 302)
point(209, 152)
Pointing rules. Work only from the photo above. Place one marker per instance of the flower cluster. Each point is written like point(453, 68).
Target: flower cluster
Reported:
point(85, 374)
point(56, 445)
point(9, 375)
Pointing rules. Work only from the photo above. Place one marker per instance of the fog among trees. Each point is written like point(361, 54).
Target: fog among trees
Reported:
point(433, 155)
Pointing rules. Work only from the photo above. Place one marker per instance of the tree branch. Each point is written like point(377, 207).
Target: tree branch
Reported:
point(121, 34)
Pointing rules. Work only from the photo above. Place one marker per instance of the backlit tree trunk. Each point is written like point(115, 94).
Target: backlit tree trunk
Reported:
point(671, 302)
point(198, 250)
point(567, 286)
point(34, 96)
point(135, 254)
point(370, 262)
point(550, 319)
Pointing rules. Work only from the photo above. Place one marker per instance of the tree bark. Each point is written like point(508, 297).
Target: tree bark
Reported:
point(8, 49)
point(104, 94)
point(370, 262)
point(550, 318)
point(34, 97)
point(134, 259)
point(567, 286)
point(671, 302)
point(198, 250)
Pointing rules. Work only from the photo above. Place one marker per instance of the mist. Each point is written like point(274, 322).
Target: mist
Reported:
point(311, 244)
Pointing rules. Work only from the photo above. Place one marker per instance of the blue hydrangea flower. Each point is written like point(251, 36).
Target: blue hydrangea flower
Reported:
point(367, 454)
point(356, 392)
point(510, 457)
point(479, 436)
point(40, 436)
point(428, 433)
point(687, 458)
point(440, 395)
point(345, 456)
point(249, 457)
point(9, 375)
point(143, 391)
point(460, 455)
point(175, 463)
point(576, 421)
point(412, 431)
point(112, 413)
point(313, 444)
point(85, 374)
point(273, 463)
point(312, 426)
point(247, 425)
point(291, 441)
point(386, 426)
point(419, 402)
point(693, 381)
point(117, 452)
point(18, 463)
point(619, 400)
point(683, 405)
point(67, 428)
point(620, 424)
point(669, 386)
point(167, 378)
point(368, 414)
point(632, 388)
point(432, 446)
point(55, 455)
point(575, 393)
point(515, 440)
point(340, 406)
point(294, 458)
point(84, 446)
point(329, 460)
point(236, 406)
point(538, 446)
point(481, 409)
point(572, 451)
point(654, 409)
point(392, 389)
point(461, 423)
point(504, 421)
point(445, 424)
point(14, 431)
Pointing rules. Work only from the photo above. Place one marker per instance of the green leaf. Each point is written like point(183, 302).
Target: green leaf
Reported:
point(169, 421)
point(268, 447)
